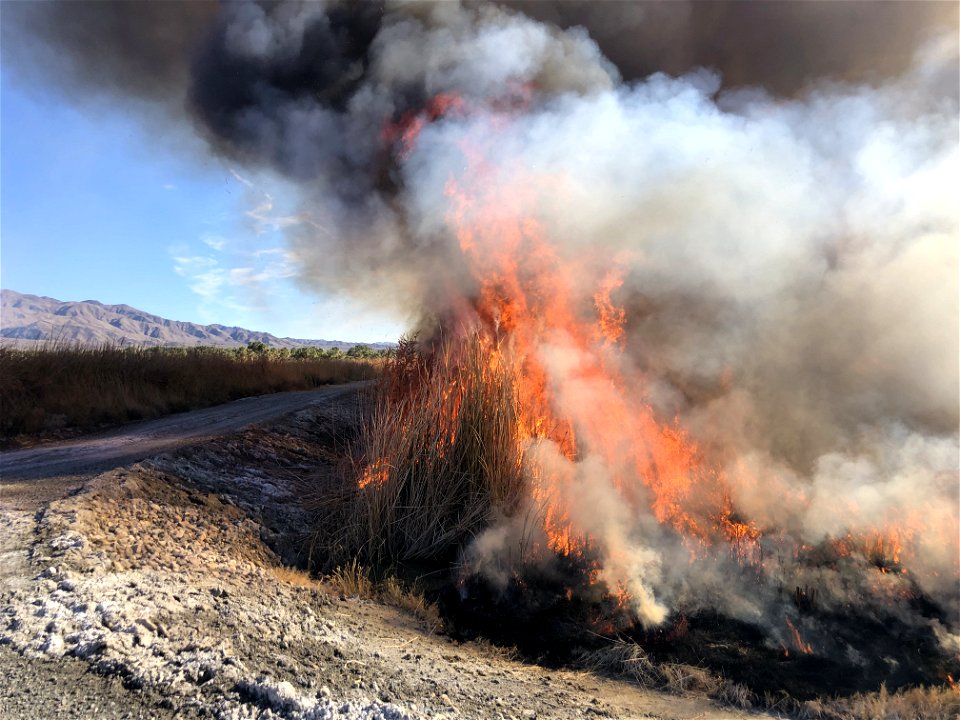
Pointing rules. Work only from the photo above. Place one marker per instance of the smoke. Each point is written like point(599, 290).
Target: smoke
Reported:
point(780, 204)
point(141, 50)
point(791, 295)
point(784, 47)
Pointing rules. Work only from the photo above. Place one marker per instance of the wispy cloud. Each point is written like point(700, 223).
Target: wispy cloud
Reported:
point(263, 214)
point(241, 271)
point(215, 242)
point(203, 275)
point(240, 178)
point(265, 220)
point(251, 277)
point(169, 186)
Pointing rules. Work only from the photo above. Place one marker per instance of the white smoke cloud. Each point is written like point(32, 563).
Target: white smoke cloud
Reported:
point(791, 291)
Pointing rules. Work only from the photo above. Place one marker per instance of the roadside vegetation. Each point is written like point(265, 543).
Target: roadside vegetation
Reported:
point(436, 457)
point(59, 389)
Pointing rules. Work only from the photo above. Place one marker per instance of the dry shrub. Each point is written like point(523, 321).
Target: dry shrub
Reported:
point(438, 455)
point(61, 387)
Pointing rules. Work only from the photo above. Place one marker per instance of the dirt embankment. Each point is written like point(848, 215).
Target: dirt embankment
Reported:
point(164, 590)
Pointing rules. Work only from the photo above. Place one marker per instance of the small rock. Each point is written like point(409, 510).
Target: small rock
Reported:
point(53, 646)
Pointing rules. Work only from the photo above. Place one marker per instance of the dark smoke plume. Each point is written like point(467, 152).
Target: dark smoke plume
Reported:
point(783, 47)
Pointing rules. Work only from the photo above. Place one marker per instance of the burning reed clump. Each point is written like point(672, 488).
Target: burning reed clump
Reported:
point(436, 458)
point(62, 388)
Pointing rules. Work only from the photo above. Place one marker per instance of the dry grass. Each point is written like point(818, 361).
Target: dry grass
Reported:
point(352, 580)
point(925, 703)
point(293, 576)
point(393, 592)
point(626, 659)
point(56, 388)
point(436, 459)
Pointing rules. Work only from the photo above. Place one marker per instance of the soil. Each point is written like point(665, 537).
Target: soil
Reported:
point(165, 589)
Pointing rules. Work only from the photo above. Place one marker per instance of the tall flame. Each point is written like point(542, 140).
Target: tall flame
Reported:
point(553, 321)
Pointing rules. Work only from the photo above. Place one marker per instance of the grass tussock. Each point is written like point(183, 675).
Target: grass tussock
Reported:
point(409, 599)
point(437, 457)
point(354, 580)
point(60, 388)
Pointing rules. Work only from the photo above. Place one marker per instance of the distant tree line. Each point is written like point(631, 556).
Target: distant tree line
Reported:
point(357, 352)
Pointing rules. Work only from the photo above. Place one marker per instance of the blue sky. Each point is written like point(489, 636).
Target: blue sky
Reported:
point(95, 205)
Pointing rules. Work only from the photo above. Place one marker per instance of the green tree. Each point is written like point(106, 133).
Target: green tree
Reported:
point(360, 351)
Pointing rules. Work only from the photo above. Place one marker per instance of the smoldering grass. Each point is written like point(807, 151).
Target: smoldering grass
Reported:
point(437, 458)
point(59, 388)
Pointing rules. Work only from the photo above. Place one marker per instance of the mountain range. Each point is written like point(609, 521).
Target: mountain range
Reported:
point(28, 320)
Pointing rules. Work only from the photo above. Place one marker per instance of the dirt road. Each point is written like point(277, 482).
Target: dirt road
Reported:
point(137, 441)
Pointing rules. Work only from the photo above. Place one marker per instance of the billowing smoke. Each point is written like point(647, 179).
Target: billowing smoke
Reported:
point(783, 222)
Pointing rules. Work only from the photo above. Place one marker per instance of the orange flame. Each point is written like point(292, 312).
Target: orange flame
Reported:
point(554, 322)
point(374, 474)
point(798, 642)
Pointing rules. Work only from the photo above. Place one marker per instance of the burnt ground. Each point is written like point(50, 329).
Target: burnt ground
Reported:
point(858, 651)
point(165, 589)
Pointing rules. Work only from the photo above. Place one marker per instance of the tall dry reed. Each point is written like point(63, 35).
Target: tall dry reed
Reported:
point(437, 457)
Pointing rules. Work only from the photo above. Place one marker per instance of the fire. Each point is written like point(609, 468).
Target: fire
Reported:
point(798, 642)
point(574, 391)
point(611, 318)
point(555, 325)
point(375, 475)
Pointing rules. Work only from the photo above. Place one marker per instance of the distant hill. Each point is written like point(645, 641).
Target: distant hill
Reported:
point(27, 320)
